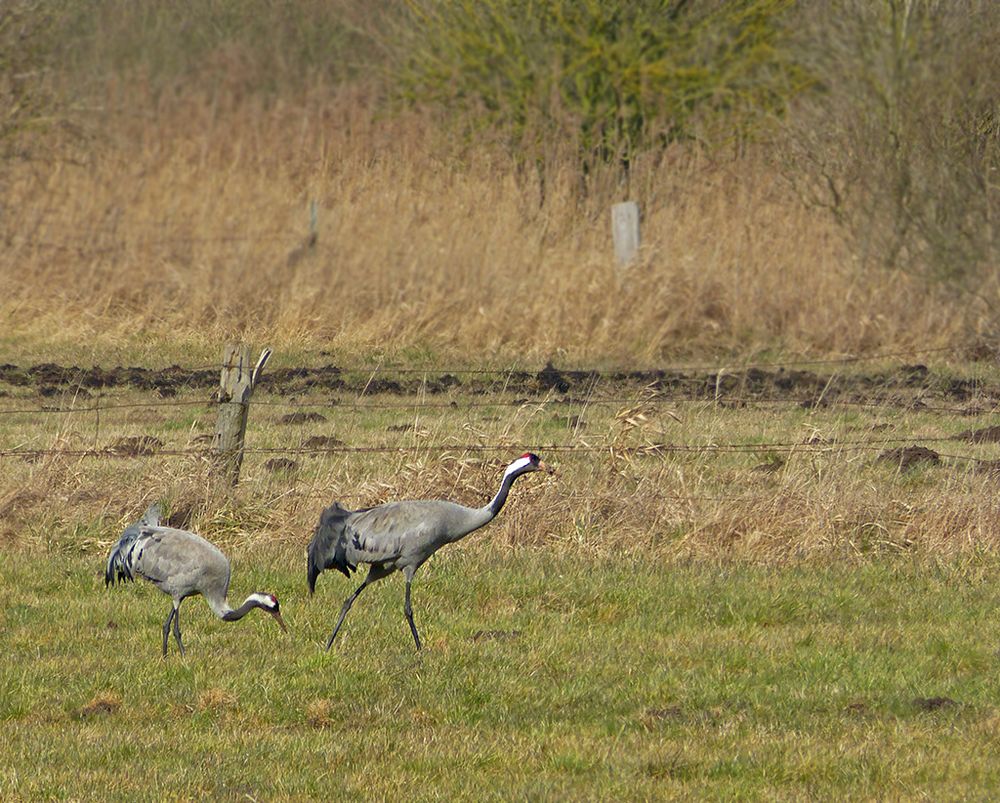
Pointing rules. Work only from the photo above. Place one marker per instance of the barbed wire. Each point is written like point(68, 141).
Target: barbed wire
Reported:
point(67, 220)
point(86, 245)
point(370, 403)
point(611, 448)
point(373, 498)
point(722, 401)
point(100, 408)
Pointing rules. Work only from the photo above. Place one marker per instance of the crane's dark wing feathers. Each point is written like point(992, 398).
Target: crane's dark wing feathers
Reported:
point(123, 558)
point(125, 555)
point(328, 548)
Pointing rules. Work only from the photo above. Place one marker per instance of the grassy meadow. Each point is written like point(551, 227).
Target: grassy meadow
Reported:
point(773, 622)
point(545, 676)
point(731, 587)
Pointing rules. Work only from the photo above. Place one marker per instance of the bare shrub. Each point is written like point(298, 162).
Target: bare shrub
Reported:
point(900, 138)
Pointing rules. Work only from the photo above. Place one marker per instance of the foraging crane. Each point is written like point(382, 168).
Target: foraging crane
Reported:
point(180, 564)
point(399, 536)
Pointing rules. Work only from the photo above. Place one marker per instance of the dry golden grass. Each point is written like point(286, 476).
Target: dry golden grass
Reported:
point(822, 494)
point(186, 220)
point(216, 700)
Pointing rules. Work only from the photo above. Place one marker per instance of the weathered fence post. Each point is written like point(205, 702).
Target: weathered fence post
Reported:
point(625, 231)
point(235, 388)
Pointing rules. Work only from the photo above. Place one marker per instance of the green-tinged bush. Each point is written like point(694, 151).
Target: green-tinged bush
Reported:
point(26, 46)
point(614, 78)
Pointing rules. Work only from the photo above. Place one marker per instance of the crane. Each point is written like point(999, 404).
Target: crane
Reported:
point(180, 564)
point(399, 536)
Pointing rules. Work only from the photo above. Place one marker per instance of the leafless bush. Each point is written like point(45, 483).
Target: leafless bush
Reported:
point(900, 139)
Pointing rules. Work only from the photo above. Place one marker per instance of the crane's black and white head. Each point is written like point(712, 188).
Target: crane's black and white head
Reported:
point(269, 603)
point(525, 463)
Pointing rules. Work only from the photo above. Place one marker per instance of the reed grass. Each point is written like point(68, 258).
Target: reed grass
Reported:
point(194, 225)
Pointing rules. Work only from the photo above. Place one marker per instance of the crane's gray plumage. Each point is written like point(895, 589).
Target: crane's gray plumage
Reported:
point(180, 564)
point(398, 536)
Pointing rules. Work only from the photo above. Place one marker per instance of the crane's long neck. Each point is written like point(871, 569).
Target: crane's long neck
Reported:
point(493, 508)
point(477, 517)
point(227, 614)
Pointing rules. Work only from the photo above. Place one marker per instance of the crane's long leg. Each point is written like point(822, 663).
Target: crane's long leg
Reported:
point(408, 610)
point(177, 628)
point(174, 617)
point(374, 573)
point(166, 629)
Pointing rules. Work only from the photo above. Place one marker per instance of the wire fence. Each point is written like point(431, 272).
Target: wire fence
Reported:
point(983, 404)
point(417, 406)
point(834, 446)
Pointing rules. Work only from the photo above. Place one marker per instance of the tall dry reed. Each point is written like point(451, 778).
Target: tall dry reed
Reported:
point(188, 217)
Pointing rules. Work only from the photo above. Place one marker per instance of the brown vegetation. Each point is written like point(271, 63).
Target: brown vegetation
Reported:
point(185, 227)
point(165, 202)
point(745, 472)
point(182, 213)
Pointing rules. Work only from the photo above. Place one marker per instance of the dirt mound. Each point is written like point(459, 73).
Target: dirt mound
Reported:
point(279, 465)
point(322, 442)
point(907, 457)
point(933, 703)
point(102, 704)
point(985, 435)
point(908, 385)
point(300, 417)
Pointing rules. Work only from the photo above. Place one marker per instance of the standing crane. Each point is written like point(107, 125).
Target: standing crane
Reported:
point(180, 564)
point(399, 536)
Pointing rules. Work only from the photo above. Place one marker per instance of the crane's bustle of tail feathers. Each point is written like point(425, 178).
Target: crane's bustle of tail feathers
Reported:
point(119, 566)
point(328, 548)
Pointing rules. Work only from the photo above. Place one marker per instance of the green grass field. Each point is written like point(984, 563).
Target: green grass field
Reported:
point(543, 677)
point(768, 623)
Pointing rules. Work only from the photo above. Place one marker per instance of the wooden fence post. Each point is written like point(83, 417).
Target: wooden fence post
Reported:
point(625, 231)
point(235, 388)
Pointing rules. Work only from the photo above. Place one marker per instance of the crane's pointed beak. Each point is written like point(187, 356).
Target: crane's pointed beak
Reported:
point(543, 466)
point(279, 620)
